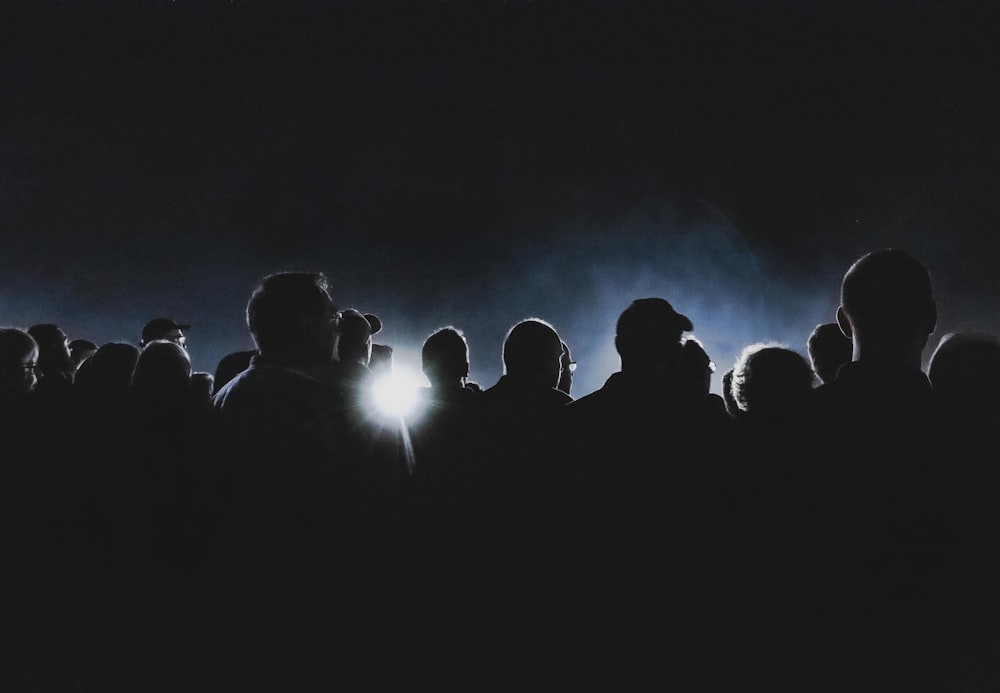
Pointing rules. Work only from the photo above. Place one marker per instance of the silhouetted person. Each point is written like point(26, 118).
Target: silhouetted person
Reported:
point(888, 586)
point(354, 353)
point(18, 431)
point(300, 536)
point(55, 373)
point(642, 507)
point(381, 359)
point(357, 329)
point(965, 370)
point(532, 360)
point(148, 474)
point(35, 492)
point(231, 365)
point(443, 426)
point(444, 529)
point(203, 385)
point(769, 383)
point(103, 380)
point(518, 412)
point(164, 328)
point(351, 371)
point(28, 646)
point(18, 369)
point(81, 350)
point(694, 375)
point(513, 476)
point(828, 349)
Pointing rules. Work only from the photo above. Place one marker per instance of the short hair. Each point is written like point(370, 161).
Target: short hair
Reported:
point(279, 304)
point(162, 365)
point(828, 348)
point(445, 355)
point(887, 288)
point(15, 344)
point(47, 334)
point(768, 375)
point(528, 344)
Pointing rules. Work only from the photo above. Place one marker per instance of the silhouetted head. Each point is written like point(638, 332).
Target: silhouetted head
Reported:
point(293, 319)
point(532, 351)
point(695, 367)
point(109, 371)
point(965, 369)
point(202, 385)
point(53, 350)
point(81, 350)
point(18, 362)
point(648, 336)
point(161, 359)
point(770, 379)
point(231, 365)
point(828, 348)
point(356, 330)
point(381, 359)
point(164, 328)
point(444, 358)
point(887, 306)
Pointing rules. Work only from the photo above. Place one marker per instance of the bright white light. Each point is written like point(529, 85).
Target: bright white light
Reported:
point(395, 394)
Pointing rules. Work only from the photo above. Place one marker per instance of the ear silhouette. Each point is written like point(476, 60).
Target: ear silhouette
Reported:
point(844, 322)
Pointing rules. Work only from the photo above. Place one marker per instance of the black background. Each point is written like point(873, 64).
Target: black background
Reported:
point(477, 163)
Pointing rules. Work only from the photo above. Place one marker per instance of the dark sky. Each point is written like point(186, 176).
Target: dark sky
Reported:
point(478, 163)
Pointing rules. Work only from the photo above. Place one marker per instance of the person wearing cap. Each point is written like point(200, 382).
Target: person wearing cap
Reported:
point(351, 369)
point(164, 328)
point(357, 330)
point(637, 511)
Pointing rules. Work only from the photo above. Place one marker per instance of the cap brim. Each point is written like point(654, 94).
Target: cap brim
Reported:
point(374, 322)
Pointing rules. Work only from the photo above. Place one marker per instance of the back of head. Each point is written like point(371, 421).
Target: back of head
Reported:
point(163, 369)
point(695, 367)
point(829, 348)
point(356, 330)
point(81, 350)
point(648, 336)
point(109, 370)
point(888, 294)
point(164, 328)
point(231, 365)
point(202, 385)
point(770, 379)
point(381, 359)
point(965, 369)
point(532, 351)
point(444, 357)
point(291, 317)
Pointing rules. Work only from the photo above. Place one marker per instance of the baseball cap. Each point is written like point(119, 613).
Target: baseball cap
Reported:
point(157, 328)
point(354, 322)
point(646, 315)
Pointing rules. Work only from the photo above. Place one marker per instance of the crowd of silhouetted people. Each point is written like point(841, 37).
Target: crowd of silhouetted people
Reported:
point(825, 525)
